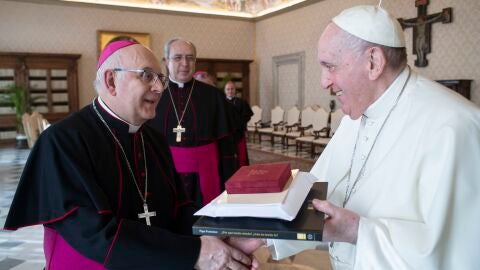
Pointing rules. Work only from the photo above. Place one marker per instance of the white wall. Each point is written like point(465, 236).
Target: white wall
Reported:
point(32, 27)
point(454, 53)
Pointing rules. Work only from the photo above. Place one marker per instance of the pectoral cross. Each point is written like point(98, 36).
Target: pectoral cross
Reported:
point(179, 130)
point(422, 27)
point(146, 215)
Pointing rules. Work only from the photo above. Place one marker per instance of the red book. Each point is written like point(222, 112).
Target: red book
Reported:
point(259, 178)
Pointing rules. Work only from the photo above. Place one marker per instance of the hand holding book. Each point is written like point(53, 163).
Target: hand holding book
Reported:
point(250, 219)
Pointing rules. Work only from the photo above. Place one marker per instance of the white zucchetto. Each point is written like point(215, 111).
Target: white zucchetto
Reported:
point(373, 24)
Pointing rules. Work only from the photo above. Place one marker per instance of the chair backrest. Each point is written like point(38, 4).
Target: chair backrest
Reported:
point(308, 114)
point(30, 125)
point(277, 115)
point(335, 120)
point(257, 116)
point(292, 115)
point(34, 124)
point(320, 119)
point(43, 124)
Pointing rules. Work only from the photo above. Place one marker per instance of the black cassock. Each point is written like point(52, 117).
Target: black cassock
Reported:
point(242, 115)
point(76, 182)
point(207, 120)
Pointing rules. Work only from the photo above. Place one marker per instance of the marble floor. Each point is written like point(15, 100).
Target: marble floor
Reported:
point(22, 249)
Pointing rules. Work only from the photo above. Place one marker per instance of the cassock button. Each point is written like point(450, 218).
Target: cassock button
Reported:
point(363, 157)
point(365, 138)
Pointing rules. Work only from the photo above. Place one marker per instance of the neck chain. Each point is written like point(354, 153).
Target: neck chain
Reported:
point(348, 193)
point(145, 214)
point(179, 129)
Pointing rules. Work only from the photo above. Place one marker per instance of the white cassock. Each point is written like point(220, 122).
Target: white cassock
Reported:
point(419, 194)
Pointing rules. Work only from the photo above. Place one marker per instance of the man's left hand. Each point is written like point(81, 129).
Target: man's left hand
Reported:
point(341, 225)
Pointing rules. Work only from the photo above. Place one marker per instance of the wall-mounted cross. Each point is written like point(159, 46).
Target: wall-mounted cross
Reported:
point(422, 28)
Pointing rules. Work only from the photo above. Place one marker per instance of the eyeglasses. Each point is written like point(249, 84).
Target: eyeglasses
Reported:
point(147, 76)
point(178, 58)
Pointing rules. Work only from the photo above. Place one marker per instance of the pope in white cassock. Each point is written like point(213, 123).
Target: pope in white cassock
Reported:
point(404, 165)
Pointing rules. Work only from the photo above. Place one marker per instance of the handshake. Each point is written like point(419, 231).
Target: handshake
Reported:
point(228, 253)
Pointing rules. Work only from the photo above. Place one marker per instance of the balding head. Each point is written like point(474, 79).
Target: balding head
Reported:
point(180, 57)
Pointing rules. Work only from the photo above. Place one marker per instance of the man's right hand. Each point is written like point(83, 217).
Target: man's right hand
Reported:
point(216, 254)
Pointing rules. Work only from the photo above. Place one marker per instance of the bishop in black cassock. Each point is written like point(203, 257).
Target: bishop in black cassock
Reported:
point(106, 190)
point(242, 114)
point(208, 125)
point(78, 185)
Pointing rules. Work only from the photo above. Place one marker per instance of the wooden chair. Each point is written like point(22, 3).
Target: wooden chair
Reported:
point(33, 124)
point(254, 123)
point(30, 126)
point(268, 127)
point(291, 123)
point(306, 125)
point(335, 119)
point(43, 124)
point(319, 126)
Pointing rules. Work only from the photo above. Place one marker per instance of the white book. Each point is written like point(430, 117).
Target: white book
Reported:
point(282, 205)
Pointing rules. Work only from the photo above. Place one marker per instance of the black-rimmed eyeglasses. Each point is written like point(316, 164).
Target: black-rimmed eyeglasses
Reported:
point(147, 76)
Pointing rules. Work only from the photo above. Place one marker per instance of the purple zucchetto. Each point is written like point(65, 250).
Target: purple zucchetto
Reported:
point(112, 48)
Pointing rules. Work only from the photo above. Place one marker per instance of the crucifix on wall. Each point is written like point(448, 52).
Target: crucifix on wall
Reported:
point(422, 28)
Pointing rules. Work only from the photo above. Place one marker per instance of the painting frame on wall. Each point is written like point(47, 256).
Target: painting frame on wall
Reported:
point(105, 36)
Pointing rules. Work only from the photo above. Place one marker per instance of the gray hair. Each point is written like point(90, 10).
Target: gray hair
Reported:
point(168, 45)
point(112, 62)
point(396, 57)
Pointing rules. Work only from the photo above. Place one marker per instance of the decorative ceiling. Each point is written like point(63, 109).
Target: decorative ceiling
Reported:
point(234, 8)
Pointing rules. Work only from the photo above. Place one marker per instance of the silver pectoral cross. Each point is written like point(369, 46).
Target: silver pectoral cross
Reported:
point(179, 130)
point(146, 215)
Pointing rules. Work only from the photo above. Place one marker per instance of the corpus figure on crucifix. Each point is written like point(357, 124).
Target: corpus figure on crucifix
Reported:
point(422, 27)
point(197, 123)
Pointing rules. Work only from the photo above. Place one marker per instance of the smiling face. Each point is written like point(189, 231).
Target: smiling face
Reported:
point(133, 99)
point(181, 61)
point(345, 72)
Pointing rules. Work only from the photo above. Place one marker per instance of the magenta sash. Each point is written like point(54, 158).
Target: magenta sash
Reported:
point(242, 155)
point(60, 255)
point(202, 160)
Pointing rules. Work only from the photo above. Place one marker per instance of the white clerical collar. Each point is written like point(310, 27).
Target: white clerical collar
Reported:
point(180, 84)
point(131, 128)
point(383, 104)
point(229, 98)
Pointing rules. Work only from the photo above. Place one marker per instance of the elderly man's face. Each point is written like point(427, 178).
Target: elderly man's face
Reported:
point(134, 99)
point(230, 90)
point(181, 61)
point(344, 72)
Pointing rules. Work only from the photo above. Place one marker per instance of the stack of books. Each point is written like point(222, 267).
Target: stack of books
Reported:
point(259, 178)
point(288, 214)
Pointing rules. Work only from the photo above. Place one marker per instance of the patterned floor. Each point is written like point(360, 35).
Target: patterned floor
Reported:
point(22, 249)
